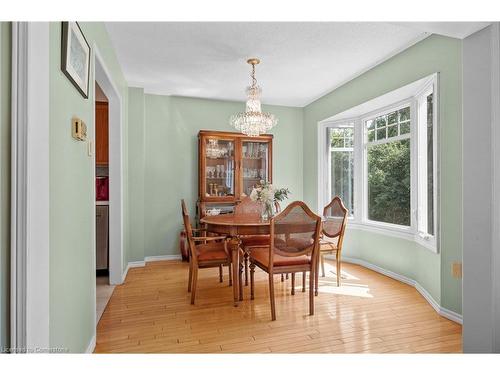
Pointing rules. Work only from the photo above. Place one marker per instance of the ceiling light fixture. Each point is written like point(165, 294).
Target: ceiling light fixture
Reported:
point(253, 122)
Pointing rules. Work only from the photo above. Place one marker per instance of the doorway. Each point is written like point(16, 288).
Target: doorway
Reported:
point(104, 289)
point(108, 236)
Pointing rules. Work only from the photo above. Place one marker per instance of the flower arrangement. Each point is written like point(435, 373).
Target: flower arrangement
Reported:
point(268, 196)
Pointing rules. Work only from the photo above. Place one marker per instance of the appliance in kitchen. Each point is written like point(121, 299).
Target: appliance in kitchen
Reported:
point(102, 221)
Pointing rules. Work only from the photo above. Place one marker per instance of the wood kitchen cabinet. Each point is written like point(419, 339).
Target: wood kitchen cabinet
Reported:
point(101, 133)
point(229, 166)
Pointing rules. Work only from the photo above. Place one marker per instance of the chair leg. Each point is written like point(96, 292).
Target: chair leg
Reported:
point(286, 276)
point(316, 281)
point(311, 291)
point(282, 277)
point(293, 283)
point(240, 283)
point(246, 268)
point(190, 275)
point(322, 265)
point(271, 296)
point(303, 282)
point(193, 286)
point(338, 269)
point(252, 281)
point(230, 274)
point(315, 277)
point(220, 273)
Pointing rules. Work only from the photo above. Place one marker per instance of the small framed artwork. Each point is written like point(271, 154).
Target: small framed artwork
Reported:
point(75, 57)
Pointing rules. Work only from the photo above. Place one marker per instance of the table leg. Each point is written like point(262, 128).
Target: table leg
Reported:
point(234, 245)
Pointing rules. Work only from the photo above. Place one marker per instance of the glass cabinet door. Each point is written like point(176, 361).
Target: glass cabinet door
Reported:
point(255, 164)
point(219, 167)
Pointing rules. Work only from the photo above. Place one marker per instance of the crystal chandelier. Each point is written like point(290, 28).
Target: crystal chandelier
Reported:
point(253, 122)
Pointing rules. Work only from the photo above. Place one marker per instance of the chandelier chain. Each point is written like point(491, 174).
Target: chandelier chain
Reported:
point(254, 80)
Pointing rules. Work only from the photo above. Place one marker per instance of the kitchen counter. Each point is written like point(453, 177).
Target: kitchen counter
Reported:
point(102, 203)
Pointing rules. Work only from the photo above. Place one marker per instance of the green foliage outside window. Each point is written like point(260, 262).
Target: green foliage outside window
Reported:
point(389, 182)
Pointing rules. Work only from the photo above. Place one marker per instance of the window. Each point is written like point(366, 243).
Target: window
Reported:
point(341, 161)
point(388, 167)
point(426, 164)
point(382, 161)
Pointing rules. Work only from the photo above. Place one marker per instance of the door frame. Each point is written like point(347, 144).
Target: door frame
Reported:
point(115, 137)
point(495, 163)
point(29, 300)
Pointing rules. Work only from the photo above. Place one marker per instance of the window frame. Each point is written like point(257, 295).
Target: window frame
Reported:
point(371, 116)
point(359, 219)
point(325, 161)
point(425, 238)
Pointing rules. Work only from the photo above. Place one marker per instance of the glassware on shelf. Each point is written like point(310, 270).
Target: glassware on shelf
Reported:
point(262, 150)
point(214, 150)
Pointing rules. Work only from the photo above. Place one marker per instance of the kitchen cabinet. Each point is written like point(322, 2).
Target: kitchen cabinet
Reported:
point(101, 133)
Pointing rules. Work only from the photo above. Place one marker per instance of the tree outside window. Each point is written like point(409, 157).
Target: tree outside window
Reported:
point(388, 166)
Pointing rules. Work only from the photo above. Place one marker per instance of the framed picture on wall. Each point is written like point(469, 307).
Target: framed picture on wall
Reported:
point(75, 57)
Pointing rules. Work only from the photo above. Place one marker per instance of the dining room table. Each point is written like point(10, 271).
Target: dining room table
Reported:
point(234, 226)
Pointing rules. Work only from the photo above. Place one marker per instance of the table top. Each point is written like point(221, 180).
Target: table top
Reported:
point(236, 220)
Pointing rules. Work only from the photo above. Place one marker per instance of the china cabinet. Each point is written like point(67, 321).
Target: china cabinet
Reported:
point(229, 166)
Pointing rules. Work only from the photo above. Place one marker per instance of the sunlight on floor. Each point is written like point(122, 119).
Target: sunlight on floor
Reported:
point(328, 284)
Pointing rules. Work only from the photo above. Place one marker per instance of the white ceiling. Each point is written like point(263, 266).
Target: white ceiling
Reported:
point(300, 61)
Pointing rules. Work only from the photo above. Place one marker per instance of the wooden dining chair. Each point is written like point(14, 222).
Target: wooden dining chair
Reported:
point(249, 207)
point(294, 242)
point(332, 235)
point(205, 252)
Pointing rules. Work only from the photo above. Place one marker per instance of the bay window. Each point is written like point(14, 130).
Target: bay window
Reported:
point(383, 163)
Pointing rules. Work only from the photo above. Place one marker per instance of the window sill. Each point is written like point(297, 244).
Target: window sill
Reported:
point(427, 242)
point(394, 231)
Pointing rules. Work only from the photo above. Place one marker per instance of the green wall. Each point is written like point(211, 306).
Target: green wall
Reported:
point(72, 277)
point(5, 62)
point(171, 160)
point(137, 159)
point(432, 271)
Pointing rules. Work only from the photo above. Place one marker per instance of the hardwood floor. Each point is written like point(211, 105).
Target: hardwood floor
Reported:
point(370, 313)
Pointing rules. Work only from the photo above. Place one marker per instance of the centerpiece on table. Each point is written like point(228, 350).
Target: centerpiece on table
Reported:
point(268, 196)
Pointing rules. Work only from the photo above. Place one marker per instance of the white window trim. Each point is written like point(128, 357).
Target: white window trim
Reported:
point(362, 120)
point(324, 160)
point(360, 219)
point(423, 238)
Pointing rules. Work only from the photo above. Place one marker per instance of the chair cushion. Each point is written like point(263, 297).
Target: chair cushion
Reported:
point(261, 255)
point(254, 241)
point(213, 251)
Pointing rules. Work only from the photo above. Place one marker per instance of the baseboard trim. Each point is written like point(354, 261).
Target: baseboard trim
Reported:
point(448, 314)
point(130, 265)
point(452, 315)
point(142, 263)
point(157, 258)
point(91, 347)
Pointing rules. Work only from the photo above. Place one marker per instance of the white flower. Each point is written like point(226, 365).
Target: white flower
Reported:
point(254, 195)
point(266, 195)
